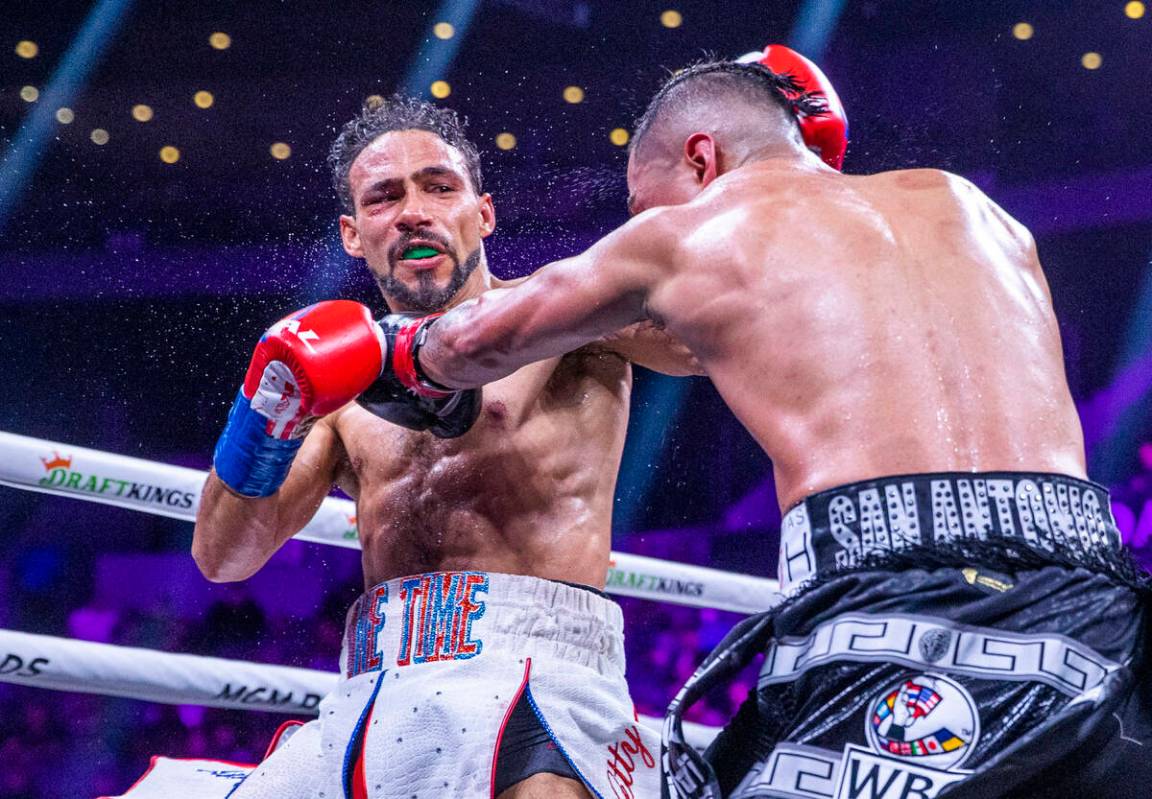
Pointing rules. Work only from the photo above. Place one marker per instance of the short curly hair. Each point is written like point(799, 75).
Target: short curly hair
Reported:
point(398, 112)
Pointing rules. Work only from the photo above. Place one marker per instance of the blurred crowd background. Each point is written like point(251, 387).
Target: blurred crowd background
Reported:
point(163, 198)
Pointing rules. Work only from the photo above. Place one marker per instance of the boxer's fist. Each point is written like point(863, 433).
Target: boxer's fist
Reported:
point(404, 395)
point(312, 363)
point(306, 365)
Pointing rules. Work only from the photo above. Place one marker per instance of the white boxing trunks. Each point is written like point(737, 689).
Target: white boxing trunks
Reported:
point(463, 684)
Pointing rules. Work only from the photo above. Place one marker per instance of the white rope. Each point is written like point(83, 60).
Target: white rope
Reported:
point(33, 464)
point(63, 664)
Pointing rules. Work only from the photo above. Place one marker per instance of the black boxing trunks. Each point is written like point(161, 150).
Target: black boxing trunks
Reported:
point(975, 635)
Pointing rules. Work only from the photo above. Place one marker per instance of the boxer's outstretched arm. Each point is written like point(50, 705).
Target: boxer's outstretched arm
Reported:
point(560, 308)
point(236, 535)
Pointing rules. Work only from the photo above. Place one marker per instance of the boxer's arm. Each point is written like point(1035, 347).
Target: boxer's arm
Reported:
point(649, 345)
point(646, 344)
point(561, 308)
point(236, 535)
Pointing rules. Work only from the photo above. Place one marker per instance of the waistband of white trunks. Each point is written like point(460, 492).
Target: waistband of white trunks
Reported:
point(454, 615)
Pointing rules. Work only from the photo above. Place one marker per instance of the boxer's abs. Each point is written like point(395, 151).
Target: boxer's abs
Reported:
point(409, 529)
point(528, 491)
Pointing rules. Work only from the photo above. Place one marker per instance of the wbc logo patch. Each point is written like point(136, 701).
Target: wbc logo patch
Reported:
point(929, 719)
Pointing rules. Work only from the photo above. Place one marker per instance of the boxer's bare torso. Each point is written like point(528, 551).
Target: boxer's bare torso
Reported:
point(858, 326)
point(864, 326)
point(528, 490)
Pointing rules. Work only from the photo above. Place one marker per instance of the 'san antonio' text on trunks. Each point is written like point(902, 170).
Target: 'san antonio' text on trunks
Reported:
point(841, 527)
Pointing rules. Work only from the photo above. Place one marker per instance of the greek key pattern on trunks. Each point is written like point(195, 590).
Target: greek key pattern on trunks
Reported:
point(840, 527)
point(932, 643)
point(808, 772)
point(793, 770)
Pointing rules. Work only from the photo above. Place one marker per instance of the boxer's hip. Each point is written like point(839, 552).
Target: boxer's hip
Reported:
point(927, 676)
point(941, 628)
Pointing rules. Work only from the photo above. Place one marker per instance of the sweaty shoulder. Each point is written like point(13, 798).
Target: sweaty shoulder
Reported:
point(955, 188)
point(959, 195)
point(653, 234)
point(501, 283)
point(922, 179)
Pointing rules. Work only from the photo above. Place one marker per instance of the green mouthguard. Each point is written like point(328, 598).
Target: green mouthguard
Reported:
point(420, 252)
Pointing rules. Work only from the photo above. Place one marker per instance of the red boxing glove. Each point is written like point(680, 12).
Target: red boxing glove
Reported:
point(312, 363)
point(306, 365)
point(826, 134)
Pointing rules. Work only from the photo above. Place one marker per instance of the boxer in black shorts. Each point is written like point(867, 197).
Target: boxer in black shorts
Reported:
point(973, 629)
point(983, 629)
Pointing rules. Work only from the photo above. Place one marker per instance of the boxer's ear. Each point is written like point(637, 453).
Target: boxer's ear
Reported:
point(487, 216)
point(700, 153)
point(350, 236)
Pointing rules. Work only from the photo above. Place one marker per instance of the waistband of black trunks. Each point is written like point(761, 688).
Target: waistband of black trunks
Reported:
point(1014, 518)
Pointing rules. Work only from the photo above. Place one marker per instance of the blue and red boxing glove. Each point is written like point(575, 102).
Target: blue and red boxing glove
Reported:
point(316, 361)
point(305, 366)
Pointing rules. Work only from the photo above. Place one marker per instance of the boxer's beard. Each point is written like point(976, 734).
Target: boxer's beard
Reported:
point(426, 296)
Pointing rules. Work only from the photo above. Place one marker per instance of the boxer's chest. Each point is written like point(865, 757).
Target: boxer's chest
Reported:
point(541, 421)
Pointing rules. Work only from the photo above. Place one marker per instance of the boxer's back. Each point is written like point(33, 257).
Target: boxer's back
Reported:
point(863, 326)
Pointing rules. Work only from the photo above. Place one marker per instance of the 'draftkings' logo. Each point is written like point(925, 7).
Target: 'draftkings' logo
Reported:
point(638, 581)
point(60, 475)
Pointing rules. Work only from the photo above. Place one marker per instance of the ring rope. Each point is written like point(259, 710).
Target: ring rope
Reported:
point(63, 664)
point(51, 467)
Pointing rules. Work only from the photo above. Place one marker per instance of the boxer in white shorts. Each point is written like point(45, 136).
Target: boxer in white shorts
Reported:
point(483, 654)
